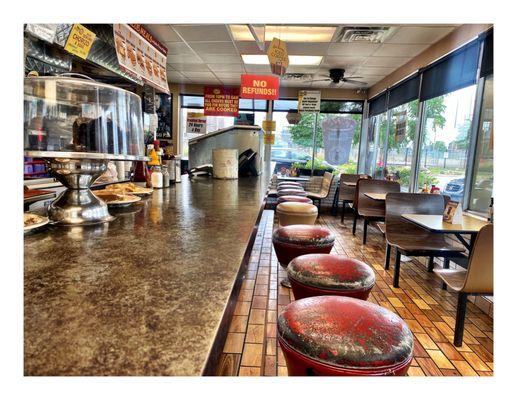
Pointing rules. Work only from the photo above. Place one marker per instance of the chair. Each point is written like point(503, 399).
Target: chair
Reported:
point(409, 239)
point(324, 190)
point(477, 279)
point(347, 193)
point(369, 209)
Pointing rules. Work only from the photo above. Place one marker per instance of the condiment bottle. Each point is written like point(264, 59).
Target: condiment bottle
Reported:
point(156, 177)
point(166, 176)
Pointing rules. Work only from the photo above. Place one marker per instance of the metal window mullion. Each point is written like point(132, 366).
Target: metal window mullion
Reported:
point(473, 143)
point(389, 113)
point(363, 139)
point(417, 143)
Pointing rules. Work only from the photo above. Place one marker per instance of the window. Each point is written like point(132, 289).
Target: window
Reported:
point(337, 137)
point(445, 141)
point(293, 143)
point(483, 173)
point(376, 145)
point(402, 130)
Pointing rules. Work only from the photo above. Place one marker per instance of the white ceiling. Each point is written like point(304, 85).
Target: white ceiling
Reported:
point(208, 54)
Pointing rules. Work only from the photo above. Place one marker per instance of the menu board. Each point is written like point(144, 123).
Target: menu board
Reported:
point(139, 53)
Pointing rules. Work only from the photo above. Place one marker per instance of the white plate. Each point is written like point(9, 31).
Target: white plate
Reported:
point(121, 203)
point(29, 228)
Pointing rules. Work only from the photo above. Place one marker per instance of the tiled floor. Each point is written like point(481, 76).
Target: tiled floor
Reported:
point(251, 347)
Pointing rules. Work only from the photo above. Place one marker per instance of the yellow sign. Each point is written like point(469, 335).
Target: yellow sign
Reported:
point(269, 126)
point(195, 115)
point(80, 41)
point(277, 55)
point(269, 138)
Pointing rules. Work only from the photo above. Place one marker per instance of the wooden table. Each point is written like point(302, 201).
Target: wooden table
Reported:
point(435, 223)
point(376, 196)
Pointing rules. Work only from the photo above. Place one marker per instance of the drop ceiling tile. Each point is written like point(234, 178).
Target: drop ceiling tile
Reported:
point(257, 69)
point(352, 49)
point(198, 75)
point(183, 59)
point(163, 32)
point(399, 50)
point(179, 48)
point(386, 61)
point(342, 62)
point(188, 67)
point(248, 48)
point(307, 49)
point(176, 77)
point(293, 83)
point(365, 70)
point(227, 67)
point(300, 69)
point(420, 34)
point(203, 32)
point(221, 58)
point(213, 47)
point(228, 75)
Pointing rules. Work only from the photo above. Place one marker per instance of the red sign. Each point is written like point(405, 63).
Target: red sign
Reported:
point(263, 87)
point(222, 101)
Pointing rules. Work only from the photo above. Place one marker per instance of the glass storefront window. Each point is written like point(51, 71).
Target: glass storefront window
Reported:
point(483, 173)
point(403, 127)
point(337, 137)
point(445, 141)
point(376, 145)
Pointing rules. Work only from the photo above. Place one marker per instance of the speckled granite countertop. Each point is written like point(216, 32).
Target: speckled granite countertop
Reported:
point(144, 294)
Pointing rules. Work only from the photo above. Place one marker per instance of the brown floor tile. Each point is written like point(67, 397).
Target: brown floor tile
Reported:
point(252, 355)
point(234, 343)
point(255, 334)
point(238, 324)
point(257, 316)
point(249, 371)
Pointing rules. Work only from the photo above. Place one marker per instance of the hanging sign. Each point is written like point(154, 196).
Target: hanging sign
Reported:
point(277, 55)
point(196, 123)
point(139, 53)
point(269, 126)
point(269, 138)
point(265, 87)
point(221, 101)
point(80, 41)
point(309, 100)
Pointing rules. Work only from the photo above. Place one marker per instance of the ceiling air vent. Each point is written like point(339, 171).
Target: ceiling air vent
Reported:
point(365, 34)
point(290, 76)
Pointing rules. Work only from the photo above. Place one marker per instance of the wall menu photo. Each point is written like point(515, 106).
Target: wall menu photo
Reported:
point(140, 53)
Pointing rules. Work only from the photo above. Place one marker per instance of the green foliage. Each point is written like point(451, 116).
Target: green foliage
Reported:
point(350, 168)
point(424, 176)
point(302, 132)
point(318, 164)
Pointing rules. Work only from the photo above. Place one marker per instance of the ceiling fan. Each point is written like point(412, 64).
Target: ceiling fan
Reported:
point(337, 75)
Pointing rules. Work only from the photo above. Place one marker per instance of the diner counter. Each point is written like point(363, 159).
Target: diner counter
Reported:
point(144, 294)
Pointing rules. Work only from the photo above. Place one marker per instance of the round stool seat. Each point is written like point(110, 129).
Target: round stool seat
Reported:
point(342, 336)
point(330, 274)
point(294, 199)
point(295, 240)
point(289, 184)
point(289, 187)
point(292, 213)
point(291, 192)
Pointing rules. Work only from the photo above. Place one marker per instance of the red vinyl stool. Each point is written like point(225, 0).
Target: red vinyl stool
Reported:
point(296, 199)
point(342, 336)
point(295, 240)
point(330, 274)
point(289, 185)
point(291, 192)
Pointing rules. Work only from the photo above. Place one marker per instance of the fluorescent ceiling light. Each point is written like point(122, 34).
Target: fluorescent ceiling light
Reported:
point(288, 33)
point(261, 59)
